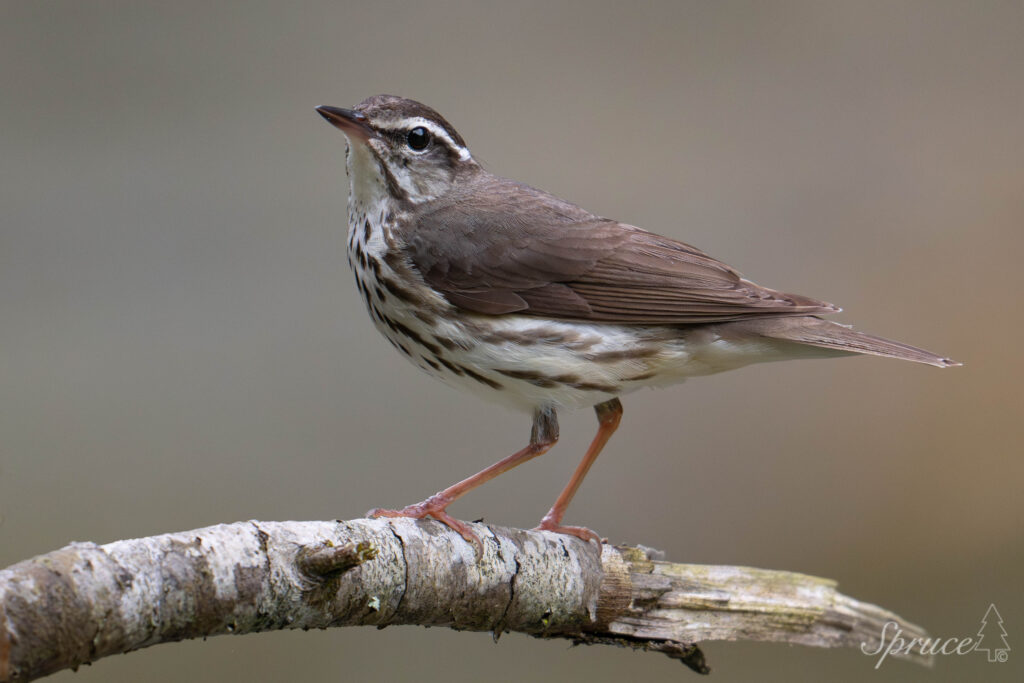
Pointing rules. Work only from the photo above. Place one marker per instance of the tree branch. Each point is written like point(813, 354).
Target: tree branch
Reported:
point(85, 601)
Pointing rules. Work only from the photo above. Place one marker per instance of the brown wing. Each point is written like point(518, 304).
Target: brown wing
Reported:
point(501, 247)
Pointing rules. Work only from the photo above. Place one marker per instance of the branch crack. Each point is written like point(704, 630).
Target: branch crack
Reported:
point(499, 626)
point(405, 569)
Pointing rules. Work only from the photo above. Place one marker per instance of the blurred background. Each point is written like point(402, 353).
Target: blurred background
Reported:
point(182, 344)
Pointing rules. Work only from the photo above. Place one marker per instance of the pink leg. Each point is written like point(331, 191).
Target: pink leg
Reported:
point(543, 436)
point(609, 414)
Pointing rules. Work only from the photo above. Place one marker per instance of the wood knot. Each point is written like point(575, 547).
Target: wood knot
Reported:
point(331, 559)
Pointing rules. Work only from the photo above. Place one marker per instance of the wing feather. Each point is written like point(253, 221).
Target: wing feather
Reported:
point(501, 247)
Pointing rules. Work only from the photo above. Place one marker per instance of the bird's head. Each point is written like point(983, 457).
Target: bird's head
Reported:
point(400, 148)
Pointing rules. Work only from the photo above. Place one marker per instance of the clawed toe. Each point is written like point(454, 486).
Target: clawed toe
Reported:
point(435, 509)
point(404, 512)
point(577, 531)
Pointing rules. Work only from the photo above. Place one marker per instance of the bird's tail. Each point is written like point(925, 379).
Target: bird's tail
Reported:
point(825, 334)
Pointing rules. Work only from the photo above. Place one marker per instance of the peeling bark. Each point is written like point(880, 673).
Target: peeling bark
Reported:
point(84, 602)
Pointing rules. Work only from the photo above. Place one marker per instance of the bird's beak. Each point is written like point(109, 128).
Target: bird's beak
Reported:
point(349, 122)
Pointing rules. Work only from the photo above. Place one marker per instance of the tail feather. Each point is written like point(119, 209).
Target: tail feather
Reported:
point(829, 335)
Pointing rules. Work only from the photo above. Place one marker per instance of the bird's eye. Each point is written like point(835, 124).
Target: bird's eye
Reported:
point(418, 138)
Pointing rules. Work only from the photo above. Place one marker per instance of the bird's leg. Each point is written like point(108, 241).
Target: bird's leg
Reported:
point(609, 414)
point(543, 436)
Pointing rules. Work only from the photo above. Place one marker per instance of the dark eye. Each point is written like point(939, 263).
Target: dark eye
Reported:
point(418, 138)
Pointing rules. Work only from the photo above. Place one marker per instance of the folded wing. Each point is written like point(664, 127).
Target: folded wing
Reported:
point(509, 248)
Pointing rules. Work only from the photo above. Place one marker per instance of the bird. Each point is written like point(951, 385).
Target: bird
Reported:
point(525, 299)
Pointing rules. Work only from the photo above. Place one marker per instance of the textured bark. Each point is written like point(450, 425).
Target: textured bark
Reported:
point(83, 602)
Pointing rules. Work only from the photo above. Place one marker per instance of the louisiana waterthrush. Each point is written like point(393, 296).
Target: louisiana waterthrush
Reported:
point(523, 298)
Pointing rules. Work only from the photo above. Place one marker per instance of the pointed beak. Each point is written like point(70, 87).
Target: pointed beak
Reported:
point(349, 122)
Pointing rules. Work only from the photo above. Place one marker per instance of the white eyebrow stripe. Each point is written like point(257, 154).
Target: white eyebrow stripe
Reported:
point(436, 131)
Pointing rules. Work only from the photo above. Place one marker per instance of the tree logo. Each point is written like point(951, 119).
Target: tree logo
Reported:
point(992, 636)
point(991, 639)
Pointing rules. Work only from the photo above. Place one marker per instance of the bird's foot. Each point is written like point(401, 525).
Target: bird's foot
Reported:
point(434, 507)
point(577, 531)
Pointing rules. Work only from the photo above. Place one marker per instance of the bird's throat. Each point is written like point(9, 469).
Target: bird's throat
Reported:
point(367, 187)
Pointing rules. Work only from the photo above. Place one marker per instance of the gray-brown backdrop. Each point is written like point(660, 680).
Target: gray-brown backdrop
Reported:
point(181, 342)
